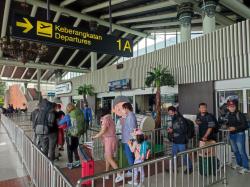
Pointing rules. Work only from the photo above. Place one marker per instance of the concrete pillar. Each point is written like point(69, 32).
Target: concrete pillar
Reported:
point(39, 83)
point(93, 61)
point(185, 13)
point(185, 32)
point(39, 80)
point(25, 87)
point(208, 9)
point(58, 76)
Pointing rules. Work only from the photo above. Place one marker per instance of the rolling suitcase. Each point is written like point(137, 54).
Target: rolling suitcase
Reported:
point(87, 170)
point(87, 162)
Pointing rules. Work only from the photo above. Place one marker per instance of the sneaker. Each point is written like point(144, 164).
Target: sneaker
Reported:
point(69, 165)
point(244, 171)
point(188, 171)
point(131, 183)
point(119, 178)
point(76, 163)
point(128, 174)
point(235, 166)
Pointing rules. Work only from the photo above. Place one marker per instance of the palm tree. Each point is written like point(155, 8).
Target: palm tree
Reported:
point(85, 90)
point(159, 76)
point(2, 88)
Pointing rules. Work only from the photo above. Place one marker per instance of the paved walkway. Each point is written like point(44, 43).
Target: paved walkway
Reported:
point(12, 172)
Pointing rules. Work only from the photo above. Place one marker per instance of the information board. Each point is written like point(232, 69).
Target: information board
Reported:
point(118, 85)
point(59, 34)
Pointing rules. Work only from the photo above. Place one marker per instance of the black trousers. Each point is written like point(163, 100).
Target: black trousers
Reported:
point(52, 145)
point(72, 145)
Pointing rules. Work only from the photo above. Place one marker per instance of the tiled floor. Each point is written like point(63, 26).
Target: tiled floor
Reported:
point(10, 165)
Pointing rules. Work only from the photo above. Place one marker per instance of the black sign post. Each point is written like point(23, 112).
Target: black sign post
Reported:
point(25, 27)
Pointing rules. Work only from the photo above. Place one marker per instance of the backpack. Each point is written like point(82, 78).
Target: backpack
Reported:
point(190, 128)
point(41, 122)
point(77, 123)
point(144, 150)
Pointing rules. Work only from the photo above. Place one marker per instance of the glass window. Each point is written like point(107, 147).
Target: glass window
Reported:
point(135, 51)
point(141, 47)
point(160, 40)
point(171, 39)
point(223, 96)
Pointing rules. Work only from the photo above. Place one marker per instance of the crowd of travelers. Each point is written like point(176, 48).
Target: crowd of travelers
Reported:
point(10, 110)
point(51, 126)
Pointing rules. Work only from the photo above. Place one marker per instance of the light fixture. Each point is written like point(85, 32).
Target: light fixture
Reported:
point(185, 13)
point(208, 7)
point(22, 50)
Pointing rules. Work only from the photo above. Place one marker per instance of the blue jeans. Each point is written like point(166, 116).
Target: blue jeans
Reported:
point(129, 155)
point(238, 146)
point(179, 148)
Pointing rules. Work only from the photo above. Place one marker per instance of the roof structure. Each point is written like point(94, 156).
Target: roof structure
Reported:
point(134, 19)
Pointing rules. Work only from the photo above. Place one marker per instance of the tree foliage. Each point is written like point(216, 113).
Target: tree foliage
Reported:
point(86, 90)
point(2, 88)
point(159, 76)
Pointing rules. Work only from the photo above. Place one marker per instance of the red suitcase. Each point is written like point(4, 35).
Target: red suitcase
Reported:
point(88, 169)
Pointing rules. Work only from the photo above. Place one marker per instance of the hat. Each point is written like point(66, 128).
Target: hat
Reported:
point(231, 103)
point(120, 99)
point(138, 132)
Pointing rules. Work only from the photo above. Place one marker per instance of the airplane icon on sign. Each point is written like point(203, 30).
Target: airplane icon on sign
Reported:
point(44, 29)
point(42, 26)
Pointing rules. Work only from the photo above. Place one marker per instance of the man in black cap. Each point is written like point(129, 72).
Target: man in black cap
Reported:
point(237, 124)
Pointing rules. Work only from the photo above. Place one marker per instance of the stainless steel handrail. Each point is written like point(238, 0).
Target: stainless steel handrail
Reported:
point(146, 163)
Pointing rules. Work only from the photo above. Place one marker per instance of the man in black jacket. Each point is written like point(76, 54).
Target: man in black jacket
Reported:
point(53, 131)
point(41, 125)
point(237, 124)
point(178, 130)
point(207, 123)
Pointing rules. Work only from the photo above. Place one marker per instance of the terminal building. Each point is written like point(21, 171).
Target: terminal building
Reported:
point(55, 49)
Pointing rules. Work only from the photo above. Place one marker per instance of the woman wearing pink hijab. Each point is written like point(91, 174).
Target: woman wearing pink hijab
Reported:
point(109, 140)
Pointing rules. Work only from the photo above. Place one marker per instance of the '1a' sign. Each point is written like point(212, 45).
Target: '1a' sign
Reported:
point(58, 34)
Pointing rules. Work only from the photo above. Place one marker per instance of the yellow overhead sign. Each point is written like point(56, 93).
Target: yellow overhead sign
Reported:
point(62, 35)
point(44, 29)
point(27, 25)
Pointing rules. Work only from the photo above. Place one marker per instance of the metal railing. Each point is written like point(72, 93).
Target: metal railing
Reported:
point(169, 171)
point(43, 173)
point(157, 138)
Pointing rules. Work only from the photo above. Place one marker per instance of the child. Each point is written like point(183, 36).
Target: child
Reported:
point(140, 149)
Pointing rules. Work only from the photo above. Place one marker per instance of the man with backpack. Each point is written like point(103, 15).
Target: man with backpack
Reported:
point(237, 124)
point(208, 125)
point(179, 135)
point(41, 125)
point(53, 131)
point(75, 128)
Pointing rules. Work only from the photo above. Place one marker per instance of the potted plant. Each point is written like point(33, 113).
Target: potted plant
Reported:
point(159, 76)
point(86, 90)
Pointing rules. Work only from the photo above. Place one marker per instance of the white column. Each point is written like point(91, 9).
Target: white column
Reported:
point(185, 14)
point(185, 32)
point(38, 80)
point(39, 83)
point(208, 10)
point(208, 24)
point(93, 61)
